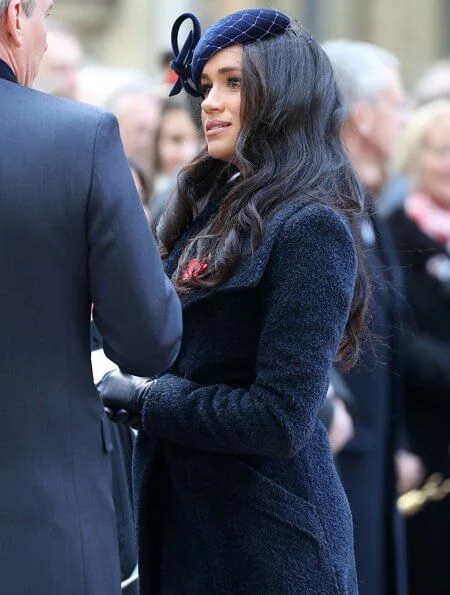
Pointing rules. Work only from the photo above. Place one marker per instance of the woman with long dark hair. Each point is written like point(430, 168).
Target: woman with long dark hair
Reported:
point(235, 485)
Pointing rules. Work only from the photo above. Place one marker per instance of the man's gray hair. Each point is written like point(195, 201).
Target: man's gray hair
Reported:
point(28, 6)
point(360, 67)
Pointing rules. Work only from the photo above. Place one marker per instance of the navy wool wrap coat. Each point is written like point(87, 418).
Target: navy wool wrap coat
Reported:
point(235, 484)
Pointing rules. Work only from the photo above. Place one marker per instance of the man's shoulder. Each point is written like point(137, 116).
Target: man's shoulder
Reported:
point(66, 109)
point(46, 107)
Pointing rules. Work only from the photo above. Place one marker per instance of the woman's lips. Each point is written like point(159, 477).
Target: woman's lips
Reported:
point(215, 127)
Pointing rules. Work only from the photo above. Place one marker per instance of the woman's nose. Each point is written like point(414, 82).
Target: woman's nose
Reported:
point(213, 101)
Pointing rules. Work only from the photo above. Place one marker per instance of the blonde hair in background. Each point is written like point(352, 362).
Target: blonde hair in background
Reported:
point(413, 138)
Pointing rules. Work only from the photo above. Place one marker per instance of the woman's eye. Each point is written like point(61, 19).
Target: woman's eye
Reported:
point(205, 90)
point(234, 81)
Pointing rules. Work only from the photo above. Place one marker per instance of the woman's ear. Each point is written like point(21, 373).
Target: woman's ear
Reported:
point(363, 118)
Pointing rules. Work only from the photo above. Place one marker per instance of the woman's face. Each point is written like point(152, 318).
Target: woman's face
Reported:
point(434, 162)
point(178, 141)
point(221, 107)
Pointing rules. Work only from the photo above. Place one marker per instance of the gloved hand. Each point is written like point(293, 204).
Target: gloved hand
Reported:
point(123, 396)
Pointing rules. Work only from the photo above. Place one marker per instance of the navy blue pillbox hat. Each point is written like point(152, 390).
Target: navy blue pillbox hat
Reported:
point(242, 27)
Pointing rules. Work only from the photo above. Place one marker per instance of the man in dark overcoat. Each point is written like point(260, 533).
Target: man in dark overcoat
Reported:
point(370, 82)
point(72, 233)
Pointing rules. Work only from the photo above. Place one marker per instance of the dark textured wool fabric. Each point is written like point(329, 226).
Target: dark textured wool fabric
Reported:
point(72, 232)
point(236, 488)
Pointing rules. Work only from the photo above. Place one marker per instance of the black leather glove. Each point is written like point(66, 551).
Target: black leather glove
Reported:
point(123, 396)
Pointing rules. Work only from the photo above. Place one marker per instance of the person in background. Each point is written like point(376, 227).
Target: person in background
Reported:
point(177, 142)
point(421, 230)
point(72, 233)
point(337, 413)
point(235, 484)
point(59, 69)
point(433, 84)
point(370, 81)
point(137, 110)
point(142, 183)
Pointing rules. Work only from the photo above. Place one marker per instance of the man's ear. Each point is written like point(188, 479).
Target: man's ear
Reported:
point(363, 118)
point(13, 20)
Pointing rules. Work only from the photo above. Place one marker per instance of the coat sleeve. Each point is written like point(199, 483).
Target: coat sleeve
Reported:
point(136, 308)
point(307, 290)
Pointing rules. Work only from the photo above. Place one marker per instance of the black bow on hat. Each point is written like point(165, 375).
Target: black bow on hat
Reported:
point(183, 60)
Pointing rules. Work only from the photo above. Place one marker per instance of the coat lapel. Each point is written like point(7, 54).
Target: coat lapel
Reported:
point(171, 262)
point(250, 268)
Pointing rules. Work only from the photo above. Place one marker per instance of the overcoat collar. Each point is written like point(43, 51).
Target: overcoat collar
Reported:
point(249, 269)
point(7, 73)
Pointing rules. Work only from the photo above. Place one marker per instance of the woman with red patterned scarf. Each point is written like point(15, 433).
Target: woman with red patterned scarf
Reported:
point(421, 230)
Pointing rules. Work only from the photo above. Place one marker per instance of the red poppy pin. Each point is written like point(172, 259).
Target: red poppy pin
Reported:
point(193, 269)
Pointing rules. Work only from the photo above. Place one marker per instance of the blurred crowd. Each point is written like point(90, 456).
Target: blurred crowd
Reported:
point(389, 418)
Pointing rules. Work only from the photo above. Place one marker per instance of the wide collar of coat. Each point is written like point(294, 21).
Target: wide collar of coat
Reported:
point(251, 266)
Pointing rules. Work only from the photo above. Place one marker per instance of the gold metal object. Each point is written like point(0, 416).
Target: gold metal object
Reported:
point(433, 490)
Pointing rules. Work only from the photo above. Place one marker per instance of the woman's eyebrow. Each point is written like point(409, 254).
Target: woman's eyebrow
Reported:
point(227, 69)
point(223, 70)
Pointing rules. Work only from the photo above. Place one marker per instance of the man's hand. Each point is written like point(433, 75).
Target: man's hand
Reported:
point(341, 429)
point(410, 471)
point(123, 396)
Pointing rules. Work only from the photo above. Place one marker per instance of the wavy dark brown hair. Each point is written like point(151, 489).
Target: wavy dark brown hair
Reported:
point(289, 150)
